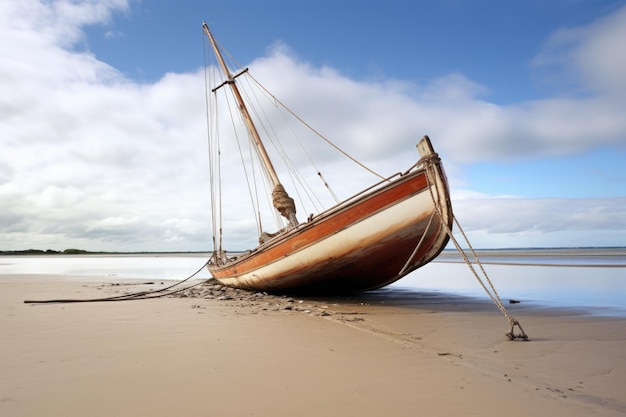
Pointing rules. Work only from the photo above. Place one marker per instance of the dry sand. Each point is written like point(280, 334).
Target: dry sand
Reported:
point(439, 356)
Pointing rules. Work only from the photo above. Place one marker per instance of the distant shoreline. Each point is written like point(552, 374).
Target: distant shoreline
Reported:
point(530, 251)
point(613, 257)
point(49, 252)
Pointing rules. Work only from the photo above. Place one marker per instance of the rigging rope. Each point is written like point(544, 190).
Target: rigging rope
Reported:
point(274, 138)
point(208, 104)
point(299, 183)
point(142, 295)
point(315, 131)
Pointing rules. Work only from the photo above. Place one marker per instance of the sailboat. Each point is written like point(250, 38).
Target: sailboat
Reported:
point(364, 242)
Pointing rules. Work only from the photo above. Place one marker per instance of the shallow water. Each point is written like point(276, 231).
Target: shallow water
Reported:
point(590, 278)
point(601, 288)
point(167, 266)
point(593, 257)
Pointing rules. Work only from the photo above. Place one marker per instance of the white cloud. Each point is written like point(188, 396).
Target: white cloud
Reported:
point(87, 148)
point(588, 57)
point(498, 223)
point(466, 127)
point(94, 160)
point(541, 215)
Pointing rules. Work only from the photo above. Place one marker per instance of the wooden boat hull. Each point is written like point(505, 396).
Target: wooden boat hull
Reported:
point(365, 243)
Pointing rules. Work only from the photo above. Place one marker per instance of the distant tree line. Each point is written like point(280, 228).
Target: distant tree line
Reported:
point(45, 252)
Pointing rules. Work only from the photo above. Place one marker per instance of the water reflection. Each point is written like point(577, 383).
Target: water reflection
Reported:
point(570, 286)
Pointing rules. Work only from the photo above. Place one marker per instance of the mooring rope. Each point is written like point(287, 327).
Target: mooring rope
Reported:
point(493, 294)
point(142, 295)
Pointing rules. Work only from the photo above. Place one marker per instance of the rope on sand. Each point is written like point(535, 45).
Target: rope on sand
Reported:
point(142, 295)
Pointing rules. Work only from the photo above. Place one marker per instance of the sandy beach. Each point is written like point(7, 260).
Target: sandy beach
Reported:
point(368, 356)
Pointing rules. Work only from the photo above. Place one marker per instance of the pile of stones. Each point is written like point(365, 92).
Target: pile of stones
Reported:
point(254, 301)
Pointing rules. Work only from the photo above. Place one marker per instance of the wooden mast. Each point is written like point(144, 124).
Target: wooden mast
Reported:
point(282, 202)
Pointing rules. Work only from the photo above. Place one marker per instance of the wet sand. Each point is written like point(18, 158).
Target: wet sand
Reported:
point(436, 355)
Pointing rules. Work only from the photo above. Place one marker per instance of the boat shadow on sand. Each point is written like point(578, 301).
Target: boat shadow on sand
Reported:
point(397, 298)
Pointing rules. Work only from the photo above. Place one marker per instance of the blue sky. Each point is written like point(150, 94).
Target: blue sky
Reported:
point(523, 100)
point(490, 42)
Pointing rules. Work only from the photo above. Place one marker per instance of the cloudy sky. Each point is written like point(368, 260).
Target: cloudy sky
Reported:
point(102, 115)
